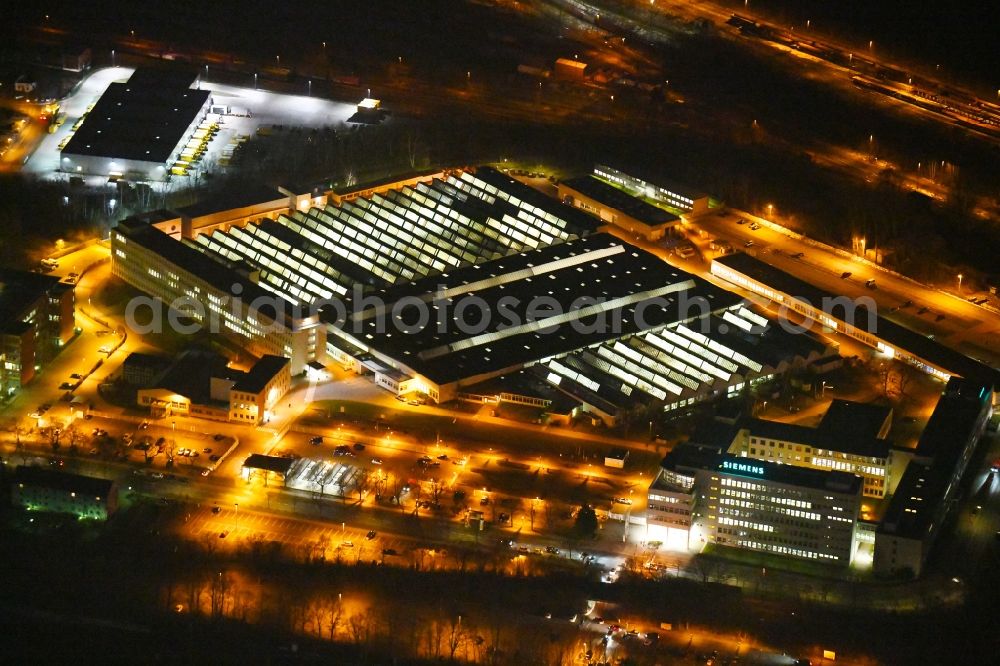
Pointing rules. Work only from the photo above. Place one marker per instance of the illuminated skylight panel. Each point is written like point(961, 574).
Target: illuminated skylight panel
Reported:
point(214, 246)
point(713, 359)
point(663, 377)
point(698, 362)
point(523, 227)
point(503, 232)
point(431, 191)
point(752, 316)
point(450, 187)
point(465, 243)
point(469, 181)
point(515, 231)
point(629, 379)
point(429, 233)
point(279, 261)
point(470, 187)
point(645, 379)
point(539, 224)
point(458, 222)
point(530, 230)
point(720, 348)
point(737, 321)
point(374, 238)
point(419, 196)
point(569, 373)
point(664, 362)
point(323, 273)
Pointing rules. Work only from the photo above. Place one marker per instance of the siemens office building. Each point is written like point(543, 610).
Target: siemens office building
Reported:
point(759, 505)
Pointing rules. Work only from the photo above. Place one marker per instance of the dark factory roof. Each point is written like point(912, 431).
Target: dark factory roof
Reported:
point(143, 119)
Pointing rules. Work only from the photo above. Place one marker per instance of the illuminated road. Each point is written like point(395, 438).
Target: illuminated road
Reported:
point(32, 130)
point(967, 327)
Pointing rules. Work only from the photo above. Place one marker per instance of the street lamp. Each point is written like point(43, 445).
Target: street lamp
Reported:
point(959, 283)
point(236, 527)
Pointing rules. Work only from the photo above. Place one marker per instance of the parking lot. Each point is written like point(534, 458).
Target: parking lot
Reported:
point(151, 445)
point(446, 480)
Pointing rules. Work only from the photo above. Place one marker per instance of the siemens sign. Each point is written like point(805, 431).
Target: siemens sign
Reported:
point(742, 467)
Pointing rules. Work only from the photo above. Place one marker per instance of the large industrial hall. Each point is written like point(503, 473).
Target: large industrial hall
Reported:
point(618, 326)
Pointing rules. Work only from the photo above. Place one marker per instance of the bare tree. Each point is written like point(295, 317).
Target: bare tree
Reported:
point(359, 627)
point(436, 489)
point(362, 481)
point(455, 636)
point(335, 616)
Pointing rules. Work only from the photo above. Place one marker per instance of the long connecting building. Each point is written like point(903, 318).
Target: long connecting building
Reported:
point(853, 318)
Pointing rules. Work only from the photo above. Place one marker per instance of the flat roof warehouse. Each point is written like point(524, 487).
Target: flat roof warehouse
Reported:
point(143, 119)
point(612, 197)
